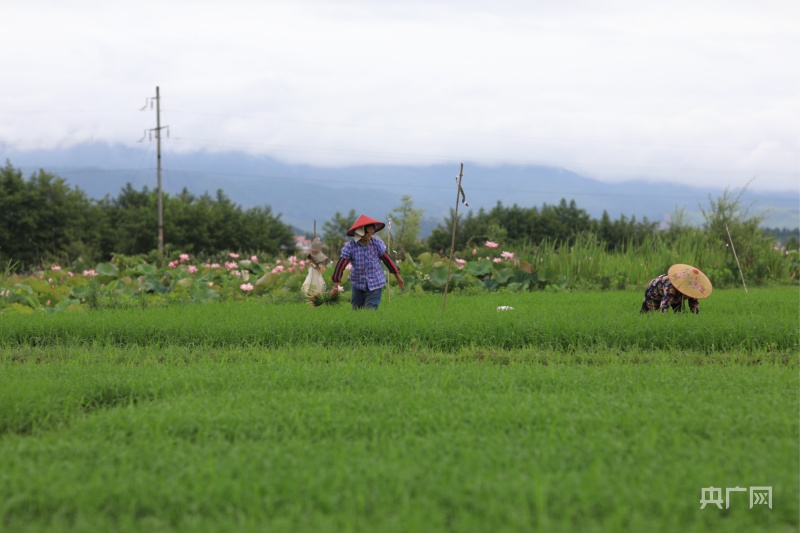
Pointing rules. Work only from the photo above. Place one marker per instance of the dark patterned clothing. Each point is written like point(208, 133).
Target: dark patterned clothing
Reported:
point(366, 273)
point(661, 295)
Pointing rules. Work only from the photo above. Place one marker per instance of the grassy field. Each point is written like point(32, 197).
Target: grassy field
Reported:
point(570, 413)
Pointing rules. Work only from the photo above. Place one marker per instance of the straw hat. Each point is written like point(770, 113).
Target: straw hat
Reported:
point(315, 254)
point(362, 221)
point(689, 281)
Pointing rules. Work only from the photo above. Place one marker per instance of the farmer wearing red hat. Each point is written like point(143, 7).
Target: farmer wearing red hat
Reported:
point(365, 254)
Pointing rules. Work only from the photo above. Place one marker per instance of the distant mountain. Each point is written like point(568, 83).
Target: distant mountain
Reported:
point(303, 194)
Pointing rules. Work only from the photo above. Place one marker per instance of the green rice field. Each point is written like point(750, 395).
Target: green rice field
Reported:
point(571, 412)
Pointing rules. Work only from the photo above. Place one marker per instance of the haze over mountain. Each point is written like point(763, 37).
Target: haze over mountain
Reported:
point(303, 193)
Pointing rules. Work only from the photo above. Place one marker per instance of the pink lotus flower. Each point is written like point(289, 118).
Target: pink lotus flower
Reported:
point(55, 267)
point(173, 264)
point(474, 251)
point(254, 258)
point(70, 274)
point(184, 257)
point(237, 273)
point(508, 255)
point(233, 255)
point(246, 287)
point(491, 244)
point(192, 269)
point(278, 269)
point(214, 265)
point(89, 273)
point(48, 302)
point(497, 260)
point(231, 265)
point(461, 262)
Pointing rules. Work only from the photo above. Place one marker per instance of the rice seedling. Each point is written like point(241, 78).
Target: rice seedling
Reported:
point(569, 321)
point(319, 298)
point(571, 412)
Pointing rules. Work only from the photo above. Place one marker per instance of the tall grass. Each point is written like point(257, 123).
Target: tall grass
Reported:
point(587, 262)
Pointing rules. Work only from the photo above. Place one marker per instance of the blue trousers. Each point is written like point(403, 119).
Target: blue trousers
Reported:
point(366, 299)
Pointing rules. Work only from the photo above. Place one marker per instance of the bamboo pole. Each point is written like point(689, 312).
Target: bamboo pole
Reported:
point(734, 256)
point(453, 241)
point(389, 251)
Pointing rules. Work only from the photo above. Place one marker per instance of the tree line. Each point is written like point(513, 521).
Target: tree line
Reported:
point(727, 221)
point(514, 226)
point(43, 218)
point(518, 226)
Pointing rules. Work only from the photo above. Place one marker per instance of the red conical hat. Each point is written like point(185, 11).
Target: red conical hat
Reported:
point(690, 281)
point(364, 220)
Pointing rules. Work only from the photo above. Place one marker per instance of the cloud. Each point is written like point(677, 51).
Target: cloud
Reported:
point(689, 92)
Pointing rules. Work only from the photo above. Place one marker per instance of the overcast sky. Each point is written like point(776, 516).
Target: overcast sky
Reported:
point(699, 92)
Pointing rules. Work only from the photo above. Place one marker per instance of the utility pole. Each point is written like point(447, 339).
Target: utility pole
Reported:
point(157, 130)
point(160, 190)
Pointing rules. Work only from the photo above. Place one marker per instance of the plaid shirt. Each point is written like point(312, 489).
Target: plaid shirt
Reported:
point(366, 273)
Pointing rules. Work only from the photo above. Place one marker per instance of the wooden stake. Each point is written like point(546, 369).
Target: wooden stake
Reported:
point(389, 251)
point(453, 242)
point(734, 256)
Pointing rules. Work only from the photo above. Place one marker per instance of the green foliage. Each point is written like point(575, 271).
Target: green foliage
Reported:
point(729, 223)
point(334, 232)
point(556, 246)
point(43, 216)
point(43, 219)
point(205, 224)
point(518, 226)
point(585, 264)
point(405, 228)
